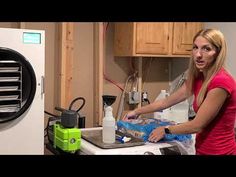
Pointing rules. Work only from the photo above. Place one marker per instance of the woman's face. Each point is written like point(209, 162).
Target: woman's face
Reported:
point(204, 53)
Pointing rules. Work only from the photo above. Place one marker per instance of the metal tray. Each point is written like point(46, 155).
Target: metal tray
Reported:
point(9, 97)
point(8, 88)
point(9, 69)
point(95, 137)
point(9, 79)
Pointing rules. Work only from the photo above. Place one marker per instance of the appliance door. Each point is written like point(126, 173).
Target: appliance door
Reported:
point(17, 84)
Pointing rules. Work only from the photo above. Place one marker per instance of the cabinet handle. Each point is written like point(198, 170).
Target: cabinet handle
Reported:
point(189, 50)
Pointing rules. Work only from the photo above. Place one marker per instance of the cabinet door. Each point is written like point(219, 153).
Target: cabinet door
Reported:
point(183, 33)
point(152, 38)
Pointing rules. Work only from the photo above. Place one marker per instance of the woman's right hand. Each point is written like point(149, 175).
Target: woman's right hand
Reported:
point(129, 116)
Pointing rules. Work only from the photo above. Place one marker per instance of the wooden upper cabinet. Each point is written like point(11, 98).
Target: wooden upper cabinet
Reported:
point(183, 34)
point(154, 38)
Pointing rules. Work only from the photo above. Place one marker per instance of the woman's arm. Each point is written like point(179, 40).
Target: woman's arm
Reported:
point(178, 96)
point(206, 113)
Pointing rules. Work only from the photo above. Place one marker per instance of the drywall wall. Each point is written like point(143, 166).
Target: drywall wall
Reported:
point(229, 31)
point(178, 66)
point(155, 76)
point(83, 68)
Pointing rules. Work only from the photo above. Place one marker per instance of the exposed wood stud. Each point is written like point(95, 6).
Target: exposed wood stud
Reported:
point(66, 63)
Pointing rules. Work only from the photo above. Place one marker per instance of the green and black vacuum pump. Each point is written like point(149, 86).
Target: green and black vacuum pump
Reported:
point(66, 136)
point(64, 131)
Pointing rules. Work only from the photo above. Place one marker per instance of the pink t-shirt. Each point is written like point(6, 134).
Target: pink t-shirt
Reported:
point(218, 137)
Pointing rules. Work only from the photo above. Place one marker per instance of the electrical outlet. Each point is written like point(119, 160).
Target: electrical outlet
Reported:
point(144, 96)
point(134, 97)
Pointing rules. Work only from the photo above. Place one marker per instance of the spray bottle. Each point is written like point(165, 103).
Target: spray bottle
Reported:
point(108, 123)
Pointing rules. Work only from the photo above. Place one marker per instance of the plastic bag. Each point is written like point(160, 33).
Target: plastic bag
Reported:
point(142, 127)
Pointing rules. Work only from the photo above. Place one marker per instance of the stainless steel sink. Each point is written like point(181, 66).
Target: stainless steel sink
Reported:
point(94, 136)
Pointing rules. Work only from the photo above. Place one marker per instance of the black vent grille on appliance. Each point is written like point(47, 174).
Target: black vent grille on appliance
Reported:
point(17, 84)
point(10, 87)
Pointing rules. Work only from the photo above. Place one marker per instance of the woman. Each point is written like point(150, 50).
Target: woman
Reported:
point(214, 91)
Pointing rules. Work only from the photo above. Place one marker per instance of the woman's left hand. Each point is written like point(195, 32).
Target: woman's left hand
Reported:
point(157, 134)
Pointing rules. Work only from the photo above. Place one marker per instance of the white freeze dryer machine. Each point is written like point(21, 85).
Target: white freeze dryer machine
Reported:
point(22, 55)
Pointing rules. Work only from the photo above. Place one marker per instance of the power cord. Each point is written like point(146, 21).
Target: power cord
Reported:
point(76, 99)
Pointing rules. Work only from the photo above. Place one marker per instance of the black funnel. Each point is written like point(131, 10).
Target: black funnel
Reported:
point(108, 100)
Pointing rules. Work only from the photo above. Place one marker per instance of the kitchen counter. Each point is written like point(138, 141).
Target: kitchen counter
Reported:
point(161, 148)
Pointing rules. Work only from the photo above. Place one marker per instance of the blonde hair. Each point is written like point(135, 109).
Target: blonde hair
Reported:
point(216, 38)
